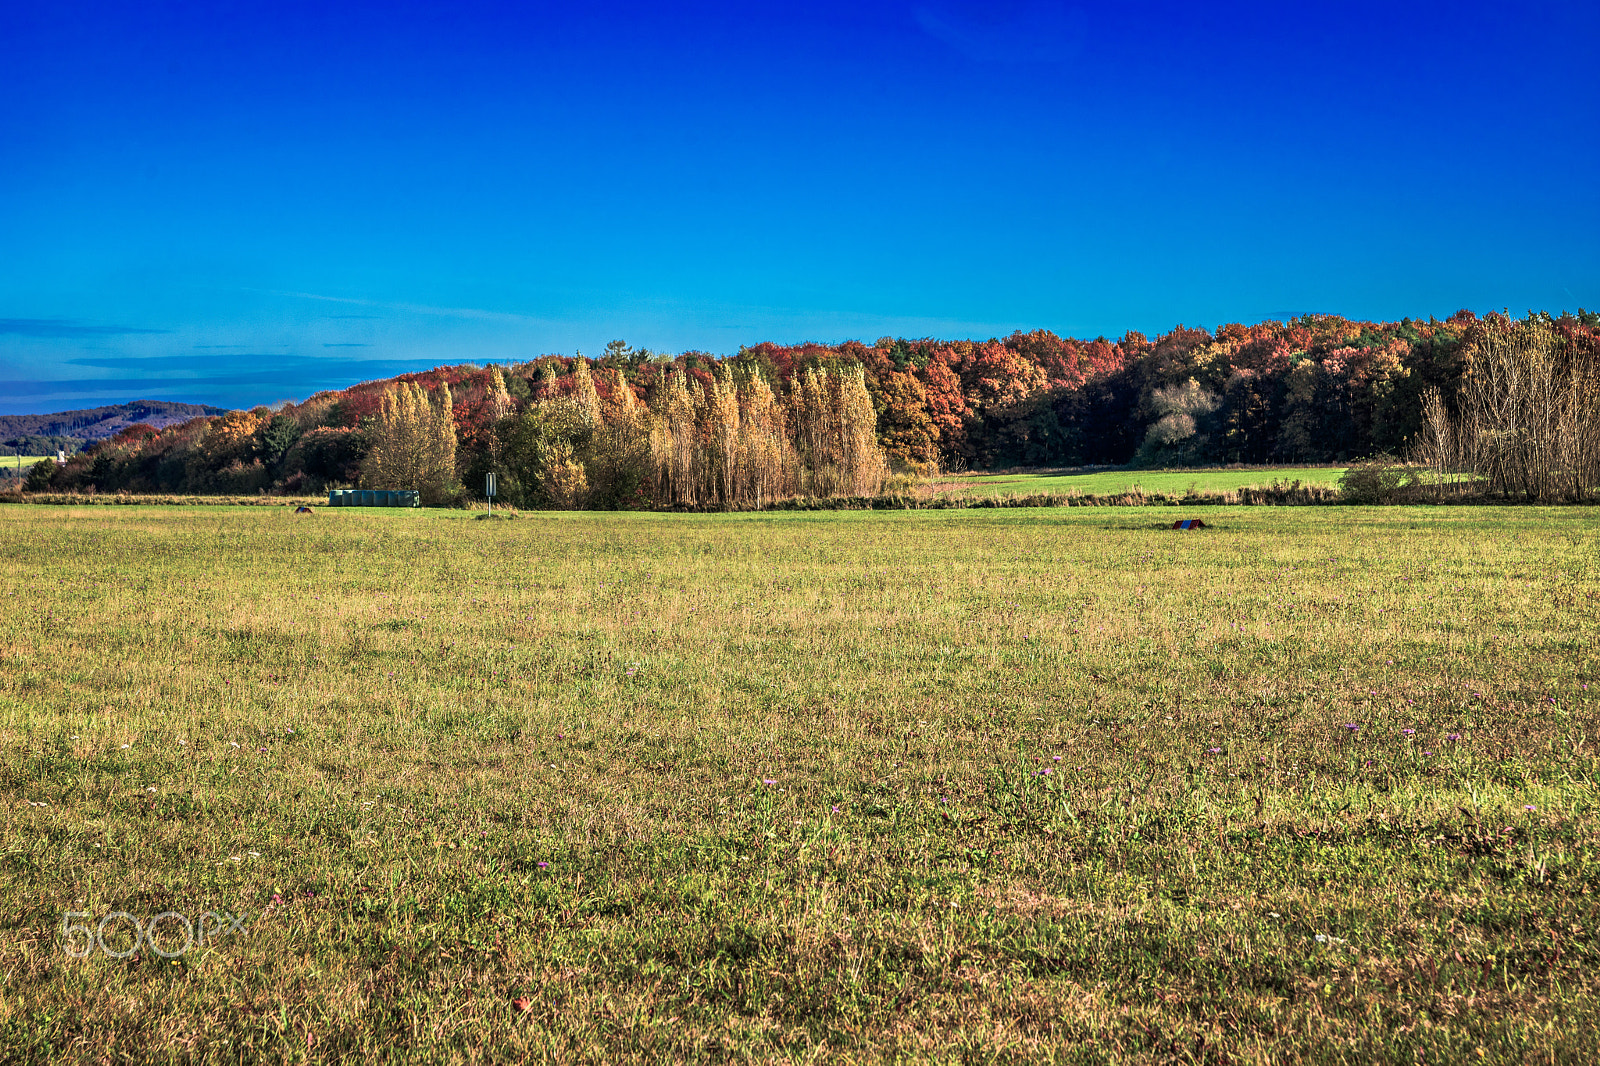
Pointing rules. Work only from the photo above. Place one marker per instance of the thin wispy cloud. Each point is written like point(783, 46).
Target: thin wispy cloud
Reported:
point(159, 388)
point(146, 364)
point(416, 309)
point(66, 328)
point(347, 344)
point(1007, 33)
point(237, 366)
point(300, 376)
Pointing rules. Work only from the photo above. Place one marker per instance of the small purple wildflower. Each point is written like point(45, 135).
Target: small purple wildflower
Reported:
point(544, 866)
point(1453, 736)
point(1409, 732)
point(1351, 726)
point(768, 781)
point(1530, 807)
point(1213, 750)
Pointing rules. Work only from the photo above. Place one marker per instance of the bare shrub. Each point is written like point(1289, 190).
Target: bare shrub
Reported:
point(1530, 410)
point(1436, 448)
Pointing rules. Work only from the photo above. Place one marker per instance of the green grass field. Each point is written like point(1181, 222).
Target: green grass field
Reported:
point(1112, 482)
point(10, 465)
point(1032, 785)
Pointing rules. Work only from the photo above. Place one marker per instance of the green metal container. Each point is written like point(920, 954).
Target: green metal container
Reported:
point(374, 498)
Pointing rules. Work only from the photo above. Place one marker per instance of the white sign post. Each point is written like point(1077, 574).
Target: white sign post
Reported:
point(488, 490)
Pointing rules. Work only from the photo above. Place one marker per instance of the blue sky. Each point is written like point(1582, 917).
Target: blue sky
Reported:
point(245, 203)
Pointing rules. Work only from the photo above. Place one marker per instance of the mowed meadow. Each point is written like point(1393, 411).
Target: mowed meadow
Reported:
point(1113, 482)
point(1036, 785)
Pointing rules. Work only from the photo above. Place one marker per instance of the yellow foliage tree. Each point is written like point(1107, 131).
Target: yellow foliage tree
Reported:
point(497, 396)
point(726, 444)
point(228, 438)
point(672, 440)
point(767, 462)
point(584, 395)
point(836, 428)
point(412, 443)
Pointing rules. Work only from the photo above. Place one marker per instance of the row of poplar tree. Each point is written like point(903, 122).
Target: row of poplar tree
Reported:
point(725, 439)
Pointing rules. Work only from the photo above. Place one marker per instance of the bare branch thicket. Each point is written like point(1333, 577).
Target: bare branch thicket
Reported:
point(1529, 423)
point(1436, 445)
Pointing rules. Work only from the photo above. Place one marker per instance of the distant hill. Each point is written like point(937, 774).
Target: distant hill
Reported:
point(97, 423)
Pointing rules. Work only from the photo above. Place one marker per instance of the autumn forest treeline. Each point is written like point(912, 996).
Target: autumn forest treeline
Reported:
point(636, 429)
